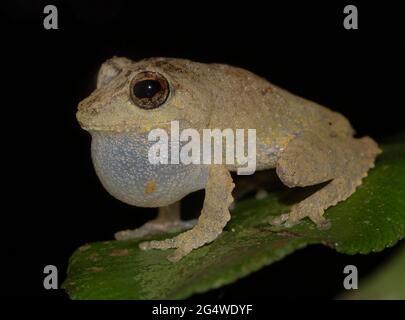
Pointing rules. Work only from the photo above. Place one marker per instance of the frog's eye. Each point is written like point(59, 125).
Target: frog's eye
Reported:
point(149, 90)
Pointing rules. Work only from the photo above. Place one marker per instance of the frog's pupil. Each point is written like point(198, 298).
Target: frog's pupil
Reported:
point(146, 88)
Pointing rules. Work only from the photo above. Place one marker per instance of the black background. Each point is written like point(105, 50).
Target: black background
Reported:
point(52, 200)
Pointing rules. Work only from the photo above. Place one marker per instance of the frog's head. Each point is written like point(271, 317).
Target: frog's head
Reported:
point(140, 96)
point(131, 99)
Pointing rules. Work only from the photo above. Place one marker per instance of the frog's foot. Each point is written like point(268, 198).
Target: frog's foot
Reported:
point(299, 212)
point(167, 221)
point(155, 227)
point(315, 205)
point(214, 216)
point(184, 243)
point(356, 159)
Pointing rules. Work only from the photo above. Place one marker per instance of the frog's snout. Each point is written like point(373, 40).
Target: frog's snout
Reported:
point(87, 110)
point(102, 112)
point(84, 115)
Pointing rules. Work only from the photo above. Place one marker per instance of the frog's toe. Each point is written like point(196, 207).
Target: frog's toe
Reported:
point(284, 220)
point(300, 212)
point(277, 221)
point(144, 231)
point(178, 254)
point(159, 244)
point(308, 208)
point(154, 228)
point(321, 222)
point(184, 243)
point(174, 243)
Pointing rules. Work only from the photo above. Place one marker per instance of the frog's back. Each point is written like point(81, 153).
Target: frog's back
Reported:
point(239, 99)
point(245, 100)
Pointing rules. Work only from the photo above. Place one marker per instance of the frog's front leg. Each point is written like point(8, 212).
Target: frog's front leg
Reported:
point(214, 216)
point(312, 159)
point(168, 220)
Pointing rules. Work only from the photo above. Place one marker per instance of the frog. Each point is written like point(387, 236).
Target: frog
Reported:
point(305, 143)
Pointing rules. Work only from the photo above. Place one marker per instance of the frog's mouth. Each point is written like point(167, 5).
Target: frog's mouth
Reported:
point(113, 128)
point(121, 127)
point(109, 129)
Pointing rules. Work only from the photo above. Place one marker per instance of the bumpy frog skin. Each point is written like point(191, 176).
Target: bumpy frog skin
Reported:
point(306, 143)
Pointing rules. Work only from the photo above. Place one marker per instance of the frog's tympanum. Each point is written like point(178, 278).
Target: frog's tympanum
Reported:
point(306, 143)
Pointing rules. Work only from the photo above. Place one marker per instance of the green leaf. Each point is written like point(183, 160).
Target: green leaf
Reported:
point(372, 219)
point(386, 283)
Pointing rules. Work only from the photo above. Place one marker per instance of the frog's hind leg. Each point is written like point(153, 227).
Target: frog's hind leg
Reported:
point(168, 220)
point(345, 167)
